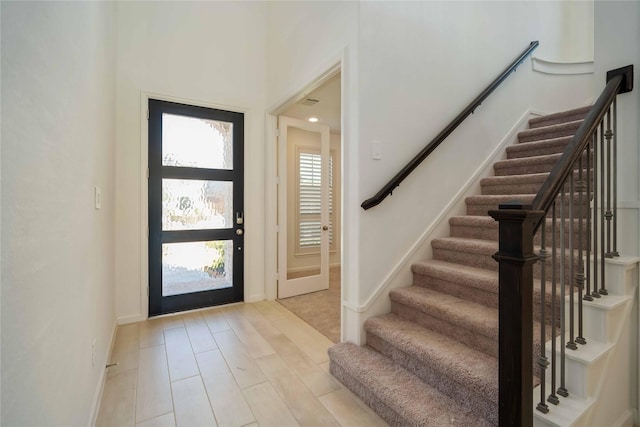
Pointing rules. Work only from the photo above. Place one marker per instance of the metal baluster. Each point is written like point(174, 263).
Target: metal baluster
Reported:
point(562, 390)
point(608, 214)
point(602, 290)
point(580, 187)
point(615, 179)
point(552, 397)
point(571, 344)
point(542, 359)
point(595, 293)
point(587, 294)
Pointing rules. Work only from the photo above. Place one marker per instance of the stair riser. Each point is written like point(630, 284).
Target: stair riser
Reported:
point(476, 402)
point(491, 233)
point(541, 148)
point(581, 379)
point(473, 339)
point(520, 185)
point(599, 324)
point(479, 207)
point(555, 119)
point(487, 262)
point(480, 296)
point(499, 189)
point(532, 165)
point(543, 134)
point(382, 409)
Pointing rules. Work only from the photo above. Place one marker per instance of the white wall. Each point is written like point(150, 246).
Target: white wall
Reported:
point(58, 104)
point(617, 30)
point(207, 52)
point(616, 46)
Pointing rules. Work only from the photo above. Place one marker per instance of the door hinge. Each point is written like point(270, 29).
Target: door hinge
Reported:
point(277, 180)
point(277, 228)
point(277, 276)
point(147, 173)
point(147, 291)
point(277, 132)
point(147, 114)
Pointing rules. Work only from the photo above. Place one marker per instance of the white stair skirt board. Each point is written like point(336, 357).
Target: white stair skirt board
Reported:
point(598, 373)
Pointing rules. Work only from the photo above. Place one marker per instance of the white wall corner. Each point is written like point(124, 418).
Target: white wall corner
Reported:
point(562, 68)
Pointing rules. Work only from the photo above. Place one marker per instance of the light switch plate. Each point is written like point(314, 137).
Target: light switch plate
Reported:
point(98, 197)
point(376, 150)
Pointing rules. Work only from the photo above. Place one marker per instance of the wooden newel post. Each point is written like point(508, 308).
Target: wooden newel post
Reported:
point(516, 258)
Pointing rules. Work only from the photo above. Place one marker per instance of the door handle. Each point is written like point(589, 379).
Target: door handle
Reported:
point(325, 228)
point(239, 232)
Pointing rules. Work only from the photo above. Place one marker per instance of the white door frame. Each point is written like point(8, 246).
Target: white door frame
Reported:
point(271, 172)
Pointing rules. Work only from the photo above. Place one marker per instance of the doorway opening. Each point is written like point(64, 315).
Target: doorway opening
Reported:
point(309, 207)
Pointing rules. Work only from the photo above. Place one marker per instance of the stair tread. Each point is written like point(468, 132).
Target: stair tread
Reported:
point(475, 246)
point(560, 115)
point(515, 179)
point(500, 198)
point(468, 366)
point(526, 161)
point(470, 276)
point(473, 316)
point(474, 220)
point(540, 144)
point(551, 129)
point(416, 402)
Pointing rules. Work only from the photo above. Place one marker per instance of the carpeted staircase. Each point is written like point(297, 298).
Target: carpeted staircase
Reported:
point(433, 361)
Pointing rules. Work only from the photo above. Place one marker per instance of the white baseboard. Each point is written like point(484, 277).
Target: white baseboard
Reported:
point(626, 419)
point(255, 298)
point(133, 318)
point(95, 408)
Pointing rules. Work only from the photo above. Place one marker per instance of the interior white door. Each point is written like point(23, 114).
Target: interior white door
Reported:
point(303, 207)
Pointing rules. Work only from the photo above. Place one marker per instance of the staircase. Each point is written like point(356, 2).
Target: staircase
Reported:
point(433, 361)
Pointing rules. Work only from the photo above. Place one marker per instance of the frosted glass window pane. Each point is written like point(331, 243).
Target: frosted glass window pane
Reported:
point(191, 204)
point(196, 143)
point(196, 266)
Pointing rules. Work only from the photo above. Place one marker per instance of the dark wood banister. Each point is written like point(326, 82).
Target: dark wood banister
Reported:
point(618, 81)
point(400, 176)
point(516, 256)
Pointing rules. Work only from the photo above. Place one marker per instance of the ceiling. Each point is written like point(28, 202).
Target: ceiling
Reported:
point(327, 109)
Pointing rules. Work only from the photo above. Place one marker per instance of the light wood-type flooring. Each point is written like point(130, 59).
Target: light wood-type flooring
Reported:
point(240, 365)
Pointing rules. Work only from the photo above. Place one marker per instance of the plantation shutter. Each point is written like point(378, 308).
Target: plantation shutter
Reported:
point(309, 201)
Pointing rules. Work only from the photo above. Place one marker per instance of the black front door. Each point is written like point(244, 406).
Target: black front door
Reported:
point(196, 218)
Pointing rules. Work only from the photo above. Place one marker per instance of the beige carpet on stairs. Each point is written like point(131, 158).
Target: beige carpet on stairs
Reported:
point(320, 309)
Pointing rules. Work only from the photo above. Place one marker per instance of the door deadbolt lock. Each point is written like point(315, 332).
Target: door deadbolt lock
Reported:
point(239, 232)
point(239, 218)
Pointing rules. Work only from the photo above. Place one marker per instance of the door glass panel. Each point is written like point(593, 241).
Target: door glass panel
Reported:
point(196, 143)
point(191, 204)
point(196, 266)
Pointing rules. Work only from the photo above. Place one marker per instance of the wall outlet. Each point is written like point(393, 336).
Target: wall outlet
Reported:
point(93, 353)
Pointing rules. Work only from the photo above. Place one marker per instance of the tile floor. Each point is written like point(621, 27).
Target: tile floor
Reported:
point(241, 365)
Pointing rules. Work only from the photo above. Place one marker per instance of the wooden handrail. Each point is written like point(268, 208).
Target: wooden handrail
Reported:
point(409, 167)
